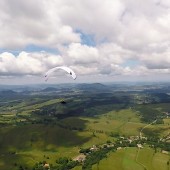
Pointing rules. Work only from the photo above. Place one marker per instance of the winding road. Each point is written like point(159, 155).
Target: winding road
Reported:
point(140, 134)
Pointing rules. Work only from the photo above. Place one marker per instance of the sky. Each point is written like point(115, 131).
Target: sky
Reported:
point(102, 41)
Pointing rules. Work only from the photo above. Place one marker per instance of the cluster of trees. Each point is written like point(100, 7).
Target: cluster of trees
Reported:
point(62, 163)
point(149, 114)
point(159, 121)
point(153, 142)
point(156, 143)
point(61, 112)
point(95, 157)
point(40, 166)
point(45, 110)
point(65, 163)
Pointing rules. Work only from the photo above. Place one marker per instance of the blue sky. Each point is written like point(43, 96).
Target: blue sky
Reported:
point(100, 40)
point(131, 63)
point(30, 49)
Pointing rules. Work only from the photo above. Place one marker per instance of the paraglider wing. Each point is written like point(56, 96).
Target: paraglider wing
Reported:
point(47, 74)
point(67, 69)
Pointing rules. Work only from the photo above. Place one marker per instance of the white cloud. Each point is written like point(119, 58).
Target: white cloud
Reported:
point(27, 63)
point(31, 22)
point(122, 29)
point(82, 54)
point(113, 53)
point(96, 60)
point(156, 60)
point(82, 70)
point(53, 23)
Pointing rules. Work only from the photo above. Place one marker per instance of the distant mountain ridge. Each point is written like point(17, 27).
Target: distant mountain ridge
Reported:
point(8, 92)
point(94, 86)
point(49, 89)
point(82, 87)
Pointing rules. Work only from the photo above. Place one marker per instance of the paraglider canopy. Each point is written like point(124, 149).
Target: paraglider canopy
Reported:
point(67, 69)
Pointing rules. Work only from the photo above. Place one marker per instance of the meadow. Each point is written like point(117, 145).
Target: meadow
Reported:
point(130, 159)
point(31, 130)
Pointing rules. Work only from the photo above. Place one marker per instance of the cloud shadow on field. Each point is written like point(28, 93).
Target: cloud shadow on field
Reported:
point(39, 136)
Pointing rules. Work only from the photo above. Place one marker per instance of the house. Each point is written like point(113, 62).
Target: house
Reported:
point(94, 148)
point(119, 148)
point(139, 146)
point(80, 158)
point(144, 138)
point(47, 166)
point(110, 146)
point(165, 152)
point(130, 140)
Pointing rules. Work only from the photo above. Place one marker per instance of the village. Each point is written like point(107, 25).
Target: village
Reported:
point(92, 155)
point(123, 142)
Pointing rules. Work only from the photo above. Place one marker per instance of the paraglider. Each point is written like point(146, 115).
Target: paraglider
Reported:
point(63, 102)
point(67, 69)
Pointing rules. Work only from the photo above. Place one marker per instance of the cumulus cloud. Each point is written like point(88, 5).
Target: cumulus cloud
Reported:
point(31, 22)
point(27, 63)
point(122, 30)
point(113, 53)
point(82, 54)
point(157, 60)
point(52, 23)
point(96, 60)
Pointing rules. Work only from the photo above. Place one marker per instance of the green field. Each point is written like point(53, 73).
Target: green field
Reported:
point(130, 159)
point(25, 142)
point(32, 142)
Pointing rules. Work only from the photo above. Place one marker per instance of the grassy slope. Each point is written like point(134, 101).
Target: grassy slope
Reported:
point(120, 160)
point(32, 142)
point(125, 159)
point(159, 161)
point(116, 121)
point(54, 141)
